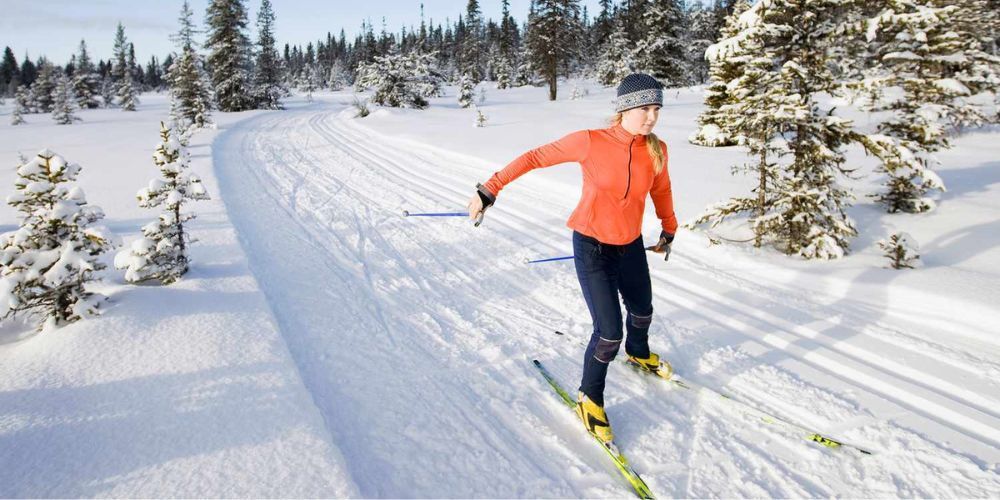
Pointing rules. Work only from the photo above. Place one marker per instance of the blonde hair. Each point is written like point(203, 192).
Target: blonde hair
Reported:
point(653, 145)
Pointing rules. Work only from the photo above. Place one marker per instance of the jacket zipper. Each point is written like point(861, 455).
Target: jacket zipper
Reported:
point(628, 182)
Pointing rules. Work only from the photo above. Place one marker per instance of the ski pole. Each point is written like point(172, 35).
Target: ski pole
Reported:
point(526, 261)
point(479, 218)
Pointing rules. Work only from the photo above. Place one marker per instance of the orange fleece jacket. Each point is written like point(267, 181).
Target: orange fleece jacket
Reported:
point(617, 176)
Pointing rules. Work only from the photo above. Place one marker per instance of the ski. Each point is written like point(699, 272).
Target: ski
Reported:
point(750, 410)
point(621, 463)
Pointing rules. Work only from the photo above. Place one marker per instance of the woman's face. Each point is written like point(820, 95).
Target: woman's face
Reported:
point(641, 120)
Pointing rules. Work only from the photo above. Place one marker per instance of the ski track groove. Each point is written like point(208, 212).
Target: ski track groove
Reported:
point(353, 149)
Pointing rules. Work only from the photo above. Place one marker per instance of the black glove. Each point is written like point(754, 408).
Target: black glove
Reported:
point(663, 246)
point(486, 196)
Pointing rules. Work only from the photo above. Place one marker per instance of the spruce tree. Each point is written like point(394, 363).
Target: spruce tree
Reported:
point(471, 50)
point(62, 108)
point(553, 36)
point(926, 76)
point(661, 50)
point(119, 68)
point(20, 106)
point(400, 80)
point(44, 88)
point(190, 100)
point(700, 35)
point(725, 65)
point(615, 61)
point(229, 53)
point(161, 254)
point(9, 72)
point(267, 71)
point(466, 91)
point(799, 204)
point(46, 263)
point(85, 82)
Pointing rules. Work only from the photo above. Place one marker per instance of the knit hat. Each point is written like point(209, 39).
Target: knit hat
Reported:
point(638, 89)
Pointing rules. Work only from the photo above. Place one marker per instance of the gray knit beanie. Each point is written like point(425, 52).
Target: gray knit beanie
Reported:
point(638, 89)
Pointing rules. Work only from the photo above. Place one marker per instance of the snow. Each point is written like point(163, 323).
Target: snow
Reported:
point(322, 345)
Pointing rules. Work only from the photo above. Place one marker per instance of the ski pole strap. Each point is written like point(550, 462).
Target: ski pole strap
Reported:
point(526, 261)
point(407, 213)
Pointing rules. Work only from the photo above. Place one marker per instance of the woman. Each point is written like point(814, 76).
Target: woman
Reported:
point(621, 165)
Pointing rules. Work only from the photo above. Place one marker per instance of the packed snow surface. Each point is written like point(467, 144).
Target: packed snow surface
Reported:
point(324, 345)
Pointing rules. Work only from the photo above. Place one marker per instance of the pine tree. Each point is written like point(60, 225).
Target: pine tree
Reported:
point(724, 67)
point(901, 250)
point(267, 71)
point(44, 88)
point(9, 73)
point(119, 69)
point(615, 61)
point(107, 91)
point(921, 49)
point(799, 203)
point(229, 52)
point(400, 80)
point(190, 100)
point(552, 38)
point(85, 81)
point(161, 254)
point(46, 263)
point(470, 56)
point(338, 77)
point(62, 108)
point(20, 106)
point(466, 91)
point(126, 93)
point(701, 35)
point(661, 50)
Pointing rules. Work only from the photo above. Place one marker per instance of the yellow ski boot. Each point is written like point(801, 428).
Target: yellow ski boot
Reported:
point(653, 365)
point(594, 418)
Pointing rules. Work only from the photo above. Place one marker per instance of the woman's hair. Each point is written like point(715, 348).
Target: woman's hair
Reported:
point(652, 145)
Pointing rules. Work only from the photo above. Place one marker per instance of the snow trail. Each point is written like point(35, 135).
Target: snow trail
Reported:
point(415, 339)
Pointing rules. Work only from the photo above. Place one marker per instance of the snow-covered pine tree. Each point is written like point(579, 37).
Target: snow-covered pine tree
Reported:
point(65, 101)
point(466, 90)
point(470, 56)
point(615, 61)
point(505, 55)
point(119, 68)
point(161, 253)
point(229, 54)
point(553, 36)
point(338, 77)
point(85, 82)
point(926, 77)
point(901, 250)
point(190, 99)
point(799, 204)
point(400, 80)
point(127, 93)
point(700, 35)
point(44, 88)
point(107, 92)
point(46, 263)
point(481, 118)
point(20, 106)
point(267, 70)
point(724, 67)
point(661, 50)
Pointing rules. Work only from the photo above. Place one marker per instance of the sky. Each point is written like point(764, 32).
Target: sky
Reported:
point(54, 28)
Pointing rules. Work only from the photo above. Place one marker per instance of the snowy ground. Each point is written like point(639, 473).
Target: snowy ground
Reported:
point(324, 345)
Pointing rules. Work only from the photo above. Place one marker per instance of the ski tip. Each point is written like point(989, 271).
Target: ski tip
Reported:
point(559, 333)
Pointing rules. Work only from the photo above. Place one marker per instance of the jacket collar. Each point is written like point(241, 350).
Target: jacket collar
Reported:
point(623, 136)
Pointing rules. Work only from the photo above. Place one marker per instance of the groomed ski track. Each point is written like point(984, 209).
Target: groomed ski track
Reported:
point(414, 337)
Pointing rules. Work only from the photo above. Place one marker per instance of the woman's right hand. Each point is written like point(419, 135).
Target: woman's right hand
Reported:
point(479, 202)
point(475, 206)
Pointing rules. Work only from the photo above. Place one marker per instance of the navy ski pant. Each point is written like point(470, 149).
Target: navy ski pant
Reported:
point(605, 271)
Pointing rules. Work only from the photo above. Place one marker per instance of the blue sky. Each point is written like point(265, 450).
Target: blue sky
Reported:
point(54, 27)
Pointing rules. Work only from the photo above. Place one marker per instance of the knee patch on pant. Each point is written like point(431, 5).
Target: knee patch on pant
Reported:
point(606, 350)
point(640, 321)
